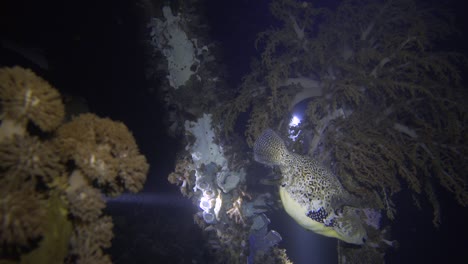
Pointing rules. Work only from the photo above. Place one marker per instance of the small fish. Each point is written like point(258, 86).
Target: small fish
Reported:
point(311, 194)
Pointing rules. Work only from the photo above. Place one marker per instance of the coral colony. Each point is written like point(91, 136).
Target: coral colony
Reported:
point(52, 183)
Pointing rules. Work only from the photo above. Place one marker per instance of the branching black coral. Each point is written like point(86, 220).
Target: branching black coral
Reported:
point(401, 93)
point(390, 113)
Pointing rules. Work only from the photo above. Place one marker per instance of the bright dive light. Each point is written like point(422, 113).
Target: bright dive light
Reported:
point(205, 203)
point(295, 121)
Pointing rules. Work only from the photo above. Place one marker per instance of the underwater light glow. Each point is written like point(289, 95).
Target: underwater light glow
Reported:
point(150, 199)
point(205, 203)
point(295, 121)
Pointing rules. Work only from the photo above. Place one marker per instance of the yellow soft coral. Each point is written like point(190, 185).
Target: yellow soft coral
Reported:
point(27, 160)
point(22, 215)
point(86, 203)
point(88, 240)
point(46, 178)
point(105, 151)
point(25, 96)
